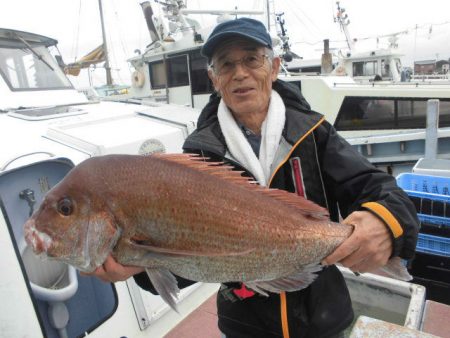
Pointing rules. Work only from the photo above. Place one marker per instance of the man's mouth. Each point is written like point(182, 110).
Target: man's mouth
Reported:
point(243, 90)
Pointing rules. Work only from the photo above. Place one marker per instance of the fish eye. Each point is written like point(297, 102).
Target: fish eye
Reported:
point(65, 207)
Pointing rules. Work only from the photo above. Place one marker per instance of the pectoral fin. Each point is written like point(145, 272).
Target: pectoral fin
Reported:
point(166, 285)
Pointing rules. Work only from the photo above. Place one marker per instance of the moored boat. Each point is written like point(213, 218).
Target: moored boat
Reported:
point(48, 134)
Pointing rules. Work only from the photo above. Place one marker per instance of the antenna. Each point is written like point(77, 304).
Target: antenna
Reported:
point(282, 34)
point(344, 21)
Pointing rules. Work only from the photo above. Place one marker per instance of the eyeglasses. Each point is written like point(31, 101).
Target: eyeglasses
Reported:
point(251, 61)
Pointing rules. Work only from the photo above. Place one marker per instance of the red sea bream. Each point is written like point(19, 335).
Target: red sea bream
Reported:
point(177, 214)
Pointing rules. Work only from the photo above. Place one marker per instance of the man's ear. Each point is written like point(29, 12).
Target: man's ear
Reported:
point(213, 78)
point(276, 62)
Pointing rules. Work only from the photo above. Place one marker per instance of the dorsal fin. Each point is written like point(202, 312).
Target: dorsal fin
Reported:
point(225, 172)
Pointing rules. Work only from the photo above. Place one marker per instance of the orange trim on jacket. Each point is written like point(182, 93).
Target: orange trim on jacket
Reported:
point(283, 301)
point(386, 216)
point(293, 148)
point(284, 319)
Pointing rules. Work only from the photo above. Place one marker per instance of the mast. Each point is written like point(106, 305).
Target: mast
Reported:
point(344, 21)
point(109, 81)
point(271, 16)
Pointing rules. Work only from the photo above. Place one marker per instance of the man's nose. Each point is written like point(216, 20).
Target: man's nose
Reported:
point(240, 70)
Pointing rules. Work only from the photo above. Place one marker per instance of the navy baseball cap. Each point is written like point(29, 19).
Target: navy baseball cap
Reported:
point(244, 27)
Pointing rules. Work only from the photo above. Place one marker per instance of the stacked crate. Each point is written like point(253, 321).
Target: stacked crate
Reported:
point(431, 266)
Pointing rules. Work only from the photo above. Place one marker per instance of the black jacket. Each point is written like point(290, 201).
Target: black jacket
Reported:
point(333, 175)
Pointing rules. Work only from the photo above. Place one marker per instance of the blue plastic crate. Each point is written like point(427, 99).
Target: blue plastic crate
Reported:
point(445, 221)
point(433, 245)
point(435, 188)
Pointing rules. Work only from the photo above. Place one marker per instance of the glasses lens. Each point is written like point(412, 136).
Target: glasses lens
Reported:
point(226, 67)
point(254, 61)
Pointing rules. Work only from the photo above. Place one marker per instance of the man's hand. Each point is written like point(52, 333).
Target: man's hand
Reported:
point(369, 246)
point(111, 271)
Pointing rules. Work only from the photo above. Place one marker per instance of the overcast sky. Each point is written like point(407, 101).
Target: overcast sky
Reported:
point(76, 25)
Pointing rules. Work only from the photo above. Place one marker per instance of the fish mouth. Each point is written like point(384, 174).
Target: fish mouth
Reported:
point(46, 248)
point(39, 241)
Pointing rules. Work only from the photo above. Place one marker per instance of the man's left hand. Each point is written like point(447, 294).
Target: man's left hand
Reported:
point(368, 247)
point(111, 271)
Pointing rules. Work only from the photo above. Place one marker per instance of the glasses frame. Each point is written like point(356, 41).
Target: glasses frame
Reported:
point(240, 61)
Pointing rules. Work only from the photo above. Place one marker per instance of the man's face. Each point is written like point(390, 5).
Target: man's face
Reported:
point(243, 89)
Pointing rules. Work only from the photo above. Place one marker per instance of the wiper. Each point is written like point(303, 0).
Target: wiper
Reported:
point(39, 56)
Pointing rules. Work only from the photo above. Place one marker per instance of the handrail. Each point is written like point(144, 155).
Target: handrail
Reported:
point(24, 155)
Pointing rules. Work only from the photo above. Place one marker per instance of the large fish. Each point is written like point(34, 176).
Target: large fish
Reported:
point(179, 214)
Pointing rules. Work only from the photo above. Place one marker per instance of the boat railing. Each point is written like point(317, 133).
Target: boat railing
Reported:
point(380, 84)
point(424, 77)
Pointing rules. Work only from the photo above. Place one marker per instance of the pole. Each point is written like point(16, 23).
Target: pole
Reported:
point(109, 81)
point(414, 54)
point(431, 134)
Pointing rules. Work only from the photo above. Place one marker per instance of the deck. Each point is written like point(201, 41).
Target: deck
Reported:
point(202, 322)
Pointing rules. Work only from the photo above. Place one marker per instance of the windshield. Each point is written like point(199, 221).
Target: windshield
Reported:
point(22, 69)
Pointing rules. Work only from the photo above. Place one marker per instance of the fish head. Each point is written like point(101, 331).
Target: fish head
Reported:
point(72, 225)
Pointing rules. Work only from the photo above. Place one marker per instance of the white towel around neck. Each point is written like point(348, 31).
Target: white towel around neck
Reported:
point(240, 148)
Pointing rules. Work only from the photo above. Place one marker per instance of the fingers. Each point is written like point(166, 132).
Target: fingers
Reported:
point(346, 250)
point(108, 271)
point(367, 265)
point(111, 271)
point(354, 259)
point(343, 253)
point(367, 248)
point(362, 262)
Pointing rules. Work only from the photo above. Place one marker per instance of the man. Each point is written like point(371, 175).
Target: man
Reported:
point(264, 127)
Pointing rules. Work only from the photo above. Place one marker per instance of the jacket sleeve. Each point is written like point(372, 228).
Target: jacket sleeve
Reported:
point(356, 184)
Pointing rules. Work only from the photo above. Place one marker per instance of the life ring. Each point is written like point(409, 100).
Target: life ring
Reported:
point(137, 79)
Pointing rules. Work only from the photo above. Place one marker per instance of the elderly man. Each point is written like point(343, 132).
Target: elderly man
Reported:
point(264, 127)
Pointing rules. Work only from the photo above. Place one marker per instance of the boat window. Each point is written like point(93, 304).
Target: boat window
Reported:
point(365, 68)
point(362, 113)
point(358, 68)
point(158, 77)
point(23, 70)
point(178, 71)
point(200, 82)
point(370, 68)
point(385, 69)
